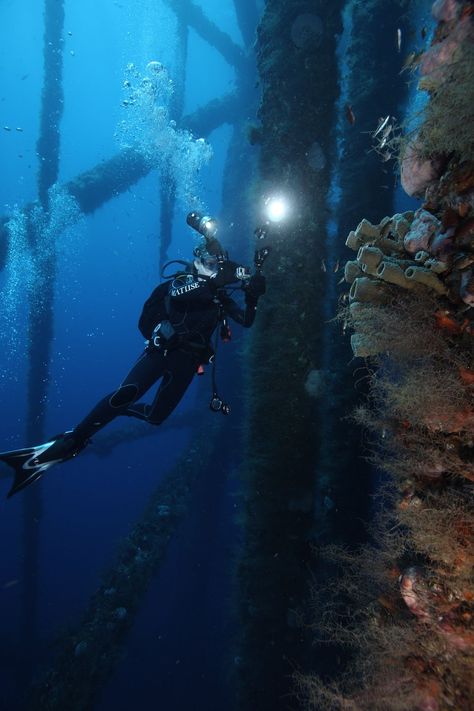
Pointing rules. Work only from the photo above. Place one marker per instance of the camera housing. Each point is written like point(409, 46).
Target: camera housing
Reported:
point(204, 224)
point(207, 227)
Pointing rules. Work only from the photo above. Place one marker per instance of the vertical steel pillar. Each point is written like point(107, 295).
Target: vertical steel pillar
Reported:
point(40, 327)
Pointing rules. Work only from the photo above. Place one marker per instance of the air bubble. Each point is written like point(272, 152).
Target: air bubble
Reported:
point(24, 274)
point(149, 129)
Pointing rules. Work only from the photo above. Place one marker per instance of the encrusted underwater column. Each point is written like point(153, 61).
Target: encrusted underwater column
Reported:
point(48, 145)
point(296, 54)
point(88, 655)
point(370, 63)
point(240, 174)
point(406, 603)
point(40, 329)
point(168, 187)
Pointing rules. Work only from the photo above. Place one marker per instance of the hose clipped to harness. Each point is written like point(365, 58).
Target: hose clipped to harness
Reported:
point(225, 331)
point(217, 404)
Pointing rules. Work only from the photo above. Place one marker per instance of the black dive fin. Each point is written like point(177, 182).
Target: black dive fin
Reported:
point(30, 463)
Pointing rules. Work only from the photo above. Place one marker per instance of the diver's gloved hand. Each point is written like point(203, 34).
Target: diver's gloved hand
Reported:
point(256, 286)
point(227, 274)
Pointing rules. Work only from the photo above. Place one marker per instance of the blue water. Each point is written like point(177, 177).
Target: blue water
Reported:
point(107, 267)
point(180, 653)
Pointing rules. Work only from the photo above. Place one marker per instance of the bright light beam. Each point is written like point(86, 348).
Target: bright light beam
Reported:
point(276, 209)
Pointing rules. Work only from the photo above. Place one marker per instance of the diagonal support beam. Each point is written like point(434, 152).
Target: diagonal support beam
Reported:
point(227, 109)
point(247, 19)
point(52, 104)
point(40, 304)
point(110, 178)
point(88, 654)
point(210, 32)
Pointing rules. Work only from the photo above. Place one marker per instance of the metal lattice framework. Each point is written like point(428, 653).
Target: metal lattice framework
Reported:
point(91, 190)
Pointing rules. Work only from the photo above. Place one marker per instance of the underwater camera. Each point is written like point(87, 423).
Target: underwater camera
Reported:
point(205, 225)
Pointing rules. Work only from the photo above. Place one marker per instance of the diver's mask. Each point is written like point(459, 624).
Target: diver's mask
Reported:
point(206, 264)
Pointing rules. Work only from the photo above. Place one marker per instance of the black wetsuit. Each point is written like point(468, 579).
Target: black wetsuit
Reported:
point(194, 307)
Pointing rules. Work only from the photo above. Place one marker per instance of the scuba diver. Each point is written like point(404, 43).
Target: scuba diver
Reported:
point(178, 321)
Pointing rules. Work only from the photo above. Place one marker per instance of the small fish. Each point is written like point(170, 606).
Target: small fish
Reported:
point(350, 116)
point(383, 141)
point(464, 260)
point(385, 135)
point(423, 33)
point(336, 266)
point(399, 39)
point(341, 281)
point(323, 266)
point(10, 584)
point(18, 128)
point(411, 61)
point(382, 124)
point(386, 155)
point(6, 128)
point(466, 12)
point(445, 320)
point(467, 376)
point(25, 76)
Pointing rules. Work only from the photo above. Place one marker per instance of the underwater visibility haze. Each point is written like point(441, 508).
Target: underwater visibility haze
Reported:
point(236, 306)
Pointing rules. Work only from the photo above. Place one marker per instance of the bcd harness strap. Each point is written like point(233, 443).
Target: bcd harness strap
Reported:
point(216, 404)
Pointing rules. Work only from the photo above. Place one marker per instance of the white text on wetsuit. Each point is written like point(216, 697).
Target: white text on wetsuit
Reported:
point(184, 289)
